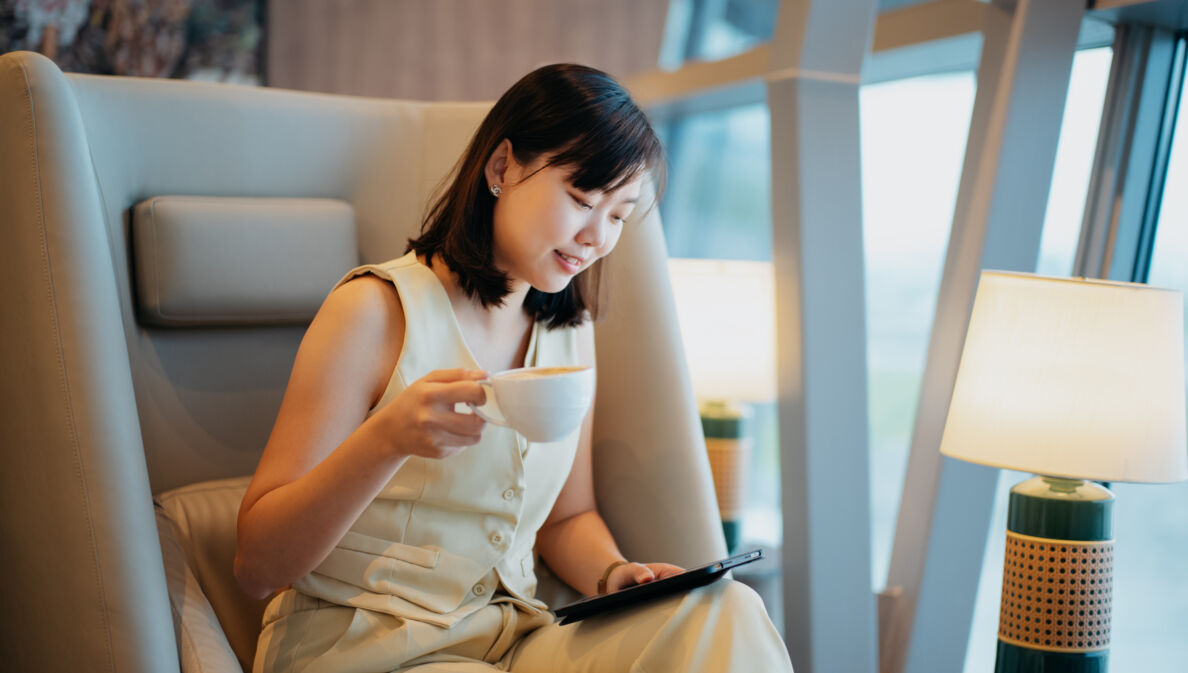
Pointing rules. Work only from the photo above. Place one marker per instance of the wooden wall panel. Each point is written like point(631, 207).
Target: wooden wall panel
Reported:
point(452, 49)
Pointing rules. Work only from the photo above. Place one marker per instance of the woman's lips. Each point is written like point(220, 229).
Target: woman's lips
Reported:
point(570, 264)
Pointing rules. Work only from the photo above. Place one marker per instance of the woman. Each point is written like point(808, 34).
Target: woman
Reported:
point(402, 530)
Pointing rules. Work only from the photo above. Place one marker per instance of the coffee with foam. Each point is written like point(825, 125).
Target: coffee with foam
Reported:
point(536, 372)
point(544, 404)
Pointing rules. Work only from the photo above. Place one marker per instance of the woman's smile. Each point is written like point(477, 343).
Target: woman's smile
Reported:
point(569, 263)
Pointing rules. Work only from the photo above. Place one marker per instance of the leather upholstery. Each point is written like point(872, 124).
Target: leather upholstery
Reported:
point(203, 260)
point(101, 410)
point(81, 559)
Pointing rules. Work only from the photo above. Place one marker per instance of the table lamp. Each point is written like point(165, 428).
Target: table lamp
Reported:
point(1076, 381)
point(726, 311)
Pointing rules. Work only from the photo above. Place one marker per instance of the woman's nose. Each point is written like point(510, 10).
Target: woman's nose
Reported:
point(593, 234)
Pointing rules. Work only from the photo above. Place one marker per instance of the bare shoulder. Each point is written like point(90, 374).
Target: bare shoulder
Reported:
point(367, 298)
point(342, 367)
point(364, 319)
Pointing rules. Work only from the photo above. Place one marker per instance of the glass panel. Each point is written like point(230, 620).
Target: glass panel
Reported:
point(1062, 224)
point(718, 202)
point(708, 30)
point(913, 143)
point(1151, 521)
point(741, 25)
point(1074, 161)
point(718, 206)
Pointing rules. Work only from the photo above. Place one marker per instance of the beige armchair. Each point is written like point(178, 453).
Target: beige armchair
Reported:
point(163, 246)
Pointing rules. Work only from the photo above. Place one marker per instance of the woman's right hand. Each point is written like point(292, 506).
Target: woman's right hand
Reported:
point(421, 420)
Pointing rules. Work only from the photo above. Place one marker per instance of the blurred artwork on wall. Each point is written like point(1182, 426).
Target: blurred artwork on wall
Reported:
point(214, 40)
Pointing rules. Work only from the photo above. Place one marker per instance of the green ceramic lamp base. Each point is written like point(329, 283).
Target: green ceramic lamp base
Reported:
point(729, 446)
point(1057, 583)
point(1023, 660)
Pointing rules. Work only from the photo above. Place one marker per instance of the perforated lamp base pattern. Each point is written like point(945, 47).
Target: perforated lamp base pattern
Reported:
point(1057, 583)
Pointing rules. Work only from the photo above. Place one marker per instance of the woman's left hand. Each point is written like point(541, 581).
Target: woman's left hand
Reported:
point(639, 573)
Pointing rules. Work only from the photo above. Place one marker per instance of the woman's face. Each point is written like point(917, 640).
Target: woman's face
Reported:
point(547, 230)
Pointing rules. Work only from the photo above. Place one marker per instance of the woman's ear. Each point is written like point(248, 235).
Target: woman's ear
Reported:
point(496, 168)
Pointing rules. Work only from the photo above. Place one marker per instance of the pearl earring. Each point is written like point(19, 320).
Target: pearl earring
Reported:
point(496, 191)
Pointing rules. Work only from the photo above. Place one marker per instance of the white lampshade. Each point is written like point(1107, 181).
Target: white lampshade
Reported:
point(727, 314)
point(1072, 378)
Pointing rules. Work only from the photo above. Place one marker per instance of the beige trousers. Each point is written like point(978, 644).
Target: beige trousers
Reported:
point(719, 628)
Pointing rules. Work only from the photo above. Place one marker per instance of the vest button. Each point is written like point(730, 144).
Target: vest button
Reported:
point(496, 538)
point(479, 589)
point(509, 494)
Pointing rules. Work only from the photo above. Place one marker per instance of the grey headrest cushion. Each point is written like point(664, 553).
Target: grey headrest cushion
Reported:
point(238, 261)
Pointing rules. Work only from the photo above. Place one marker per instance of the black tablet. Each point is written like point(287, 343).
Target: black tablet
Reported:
point(641, 593)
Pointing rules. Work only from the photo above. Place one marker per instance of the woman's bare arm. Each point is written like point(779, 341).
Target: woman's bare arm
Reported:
point(325, 461)
point(574, 541)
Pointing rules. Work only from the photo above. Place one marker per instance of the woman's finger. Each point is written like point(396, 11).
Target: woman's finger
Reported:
point(641, 574)
point(664, 570)
point(460, 424)
point(451, 375)
point(467, 392)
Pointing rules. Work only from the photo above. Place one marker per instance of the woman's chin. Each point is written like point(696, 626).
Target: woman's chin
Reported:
point(551, 288)
point(551, 284)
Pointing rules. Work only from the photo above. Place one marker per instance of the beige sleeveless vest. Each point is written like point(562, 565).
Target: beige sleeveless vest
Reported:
point(446, 537)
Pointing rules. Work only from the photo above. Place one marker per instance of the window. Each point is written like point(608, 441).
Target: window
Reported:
point(913, 143)
point(1151, 520)
point(914, 130)
point(913, 135)
point(1074, 161)
point(708, 30)
point(718, 206)
point(718, 203)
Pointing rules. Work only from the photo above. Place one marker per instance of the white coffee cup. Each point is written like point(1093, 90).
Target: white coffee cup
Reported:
point(544, 404)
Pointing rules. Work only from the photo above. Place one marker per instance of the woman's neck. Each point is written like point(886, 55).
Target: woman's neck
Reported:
point(511, 311)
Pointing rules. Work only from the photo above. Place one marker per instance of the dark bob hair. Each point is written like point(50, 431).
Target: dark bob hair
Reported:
point(582, 119)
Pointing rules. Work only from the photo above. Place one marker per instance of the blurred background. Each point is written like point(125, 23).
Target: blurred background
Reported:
point(220, 40)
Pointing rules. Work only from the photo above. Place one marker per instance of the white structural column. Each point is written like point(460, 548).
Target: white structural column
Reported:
point(812, 91)
point(945, 512)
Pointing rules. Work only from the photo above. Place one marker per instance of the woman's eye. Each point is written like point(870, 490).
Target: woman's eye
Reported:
point(618, 220)
point(581, 204)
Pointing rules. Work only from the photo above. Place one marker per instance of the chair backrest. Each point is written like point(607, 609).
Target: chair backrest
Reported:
point(101, 410)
